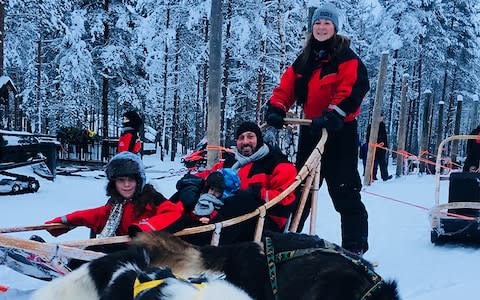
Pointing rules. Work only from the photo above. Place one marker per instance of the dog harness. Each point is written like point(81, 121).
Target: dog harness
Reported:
point(273, 259)
point(139, 287)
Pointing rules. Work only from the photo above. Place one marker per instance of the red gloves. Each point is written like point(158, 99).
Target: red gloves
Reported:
point(58, 231)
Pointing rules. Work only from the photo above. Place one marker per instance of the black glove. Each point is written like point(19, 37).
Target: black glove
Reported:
point(190, 180)
point(275, 116)
point(189, 188)
point(331, 120)
point(255, 191)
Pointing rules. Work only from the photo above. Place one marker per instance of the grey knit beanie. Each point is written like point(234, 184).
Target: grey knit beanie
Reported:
point(328, 11)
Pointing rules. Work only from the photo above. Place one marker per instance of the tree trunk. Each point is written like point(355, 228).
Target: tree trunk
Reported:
point(451, 104)
point(214, 81)
point(176, 99)
point(402, 126)
point(391, 126)
point(416, 104)
point(456, 130)
point(105, 87)
point(440, 124)
point(226, 71)
point(205, 81)
point(198, 111)
point(474, 121)
point(425, 128)
point(2, 36)
point(281, 36)
point(260, 81)
point(38, 127)
point(163, 129)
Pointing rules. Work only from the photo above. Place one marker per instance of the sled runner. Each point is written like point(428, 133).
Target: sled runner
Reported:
point(31, 264)
point(457, 220)
point(39, 260)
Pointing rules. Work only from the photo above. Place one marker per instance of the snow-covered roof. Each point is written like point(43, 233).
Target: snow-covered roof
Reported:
point(4, 80)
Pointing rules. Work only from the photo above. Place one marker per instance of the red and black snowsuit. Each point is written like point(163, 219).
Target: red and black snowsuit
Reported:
point(129, 141)
point(336, 80)
point(156, 215)
point(268, 177)
point(260, 181)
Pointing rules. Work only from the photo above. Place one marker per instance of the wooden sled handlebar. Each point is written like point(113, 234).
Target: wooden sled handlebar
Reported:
point(33, 227)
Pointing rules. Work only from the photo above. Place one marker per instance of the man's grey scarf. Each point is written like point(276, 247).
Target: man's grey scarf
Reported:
point(206, 204)
point(113, 221)
point(243, 160)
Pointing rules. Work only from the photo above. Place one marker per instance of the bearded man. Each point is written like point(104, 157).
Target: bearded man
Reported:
point(264, 173)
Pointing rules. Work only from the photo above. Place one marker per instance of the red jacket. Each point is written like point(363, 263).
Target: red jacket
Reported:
point(152, 219)
point(129, 141)
point(341, 82)
point(274, 173)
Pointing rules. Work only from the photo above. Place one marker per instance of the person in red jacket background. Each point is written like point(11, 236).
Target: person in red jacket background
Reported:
point(133, 205)
point(330, 81)
point(129, 139)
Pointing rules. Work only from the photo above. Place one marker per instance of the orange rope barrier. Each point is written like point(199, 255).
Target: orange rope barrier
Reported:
point(406, 154)
point(219, 149)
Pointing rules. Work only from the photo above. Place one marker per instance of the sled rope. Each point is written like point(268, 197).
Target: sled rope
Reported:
point(458, 216)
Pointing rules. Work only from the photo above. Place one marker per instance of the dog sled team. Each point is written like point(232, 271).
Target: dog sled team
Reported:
point(330, 81)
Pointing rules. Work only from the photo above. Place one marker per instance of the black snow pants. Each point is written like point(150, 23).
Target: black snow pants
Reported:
point(339, 169)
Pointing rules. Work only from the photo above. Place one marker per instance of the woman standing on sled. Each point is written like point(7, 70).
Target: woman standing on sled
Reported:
point(330, 81)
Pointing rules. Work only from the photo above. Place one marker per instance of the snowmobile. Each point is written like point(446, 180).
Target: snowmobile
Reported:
point(17, 184)
point(457, 220)
point(198, 158)
point(12, 183)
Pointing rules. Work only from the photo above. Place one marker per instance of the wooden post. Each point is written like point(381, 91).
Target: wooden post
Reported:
point(214, 82)
point(425, 127)
point(402, 127)
point(456, 129)
point(440, 124)
point(375, 116)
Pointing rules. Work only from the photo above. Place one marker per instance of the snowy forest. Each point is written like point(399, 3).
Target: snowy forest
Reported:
point(83, 63)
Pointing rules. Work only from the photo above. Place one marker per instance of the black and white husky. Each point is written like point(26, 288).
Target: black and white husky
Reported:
point(127, 275)
point(316, 274)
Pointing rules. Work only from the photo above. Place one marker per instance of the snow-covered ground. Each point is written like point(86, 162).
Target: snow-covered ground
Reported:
point(399, 233)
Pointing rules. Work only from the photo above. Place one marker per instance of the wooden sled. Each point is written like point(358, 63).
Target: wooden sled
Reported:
point(455, 221)
point(309, 174)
